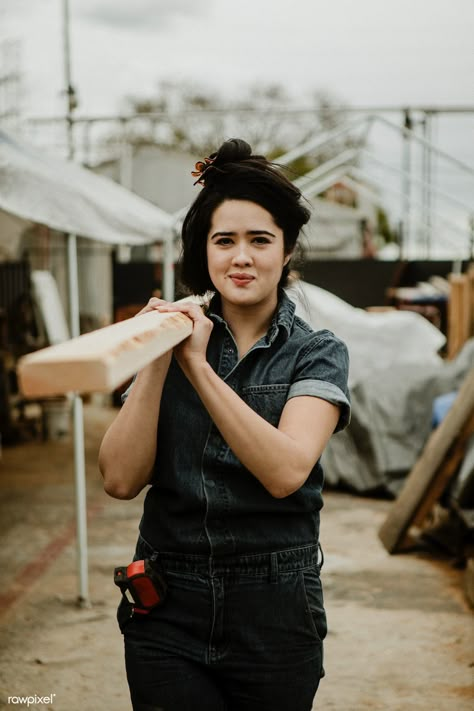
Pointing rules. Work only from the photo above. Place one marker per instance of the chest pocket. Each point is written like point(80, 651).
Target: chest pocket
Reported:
point(266, 400)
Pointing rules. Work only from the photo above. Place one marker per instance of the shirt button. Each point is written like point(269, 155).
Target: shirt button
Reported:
point(211, 484)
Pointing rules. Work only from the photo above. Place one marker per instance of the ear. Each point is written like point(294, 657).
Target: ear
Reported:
point(287, 259)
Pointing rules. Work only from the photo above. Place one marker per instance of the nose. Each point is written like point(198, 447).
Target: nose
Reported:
point(242, 256)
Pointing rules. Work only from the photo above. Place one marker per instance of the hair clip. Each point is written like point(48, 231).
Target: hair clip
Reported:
point(200, 168)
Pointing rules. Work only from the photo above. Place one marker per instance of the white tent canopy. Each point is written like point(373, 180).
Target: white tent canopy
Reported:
point(37, 188)
point(66, 197)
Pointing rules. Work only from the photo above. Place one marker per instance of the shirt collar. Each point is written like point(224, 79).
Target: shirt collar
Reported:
point(283, 317)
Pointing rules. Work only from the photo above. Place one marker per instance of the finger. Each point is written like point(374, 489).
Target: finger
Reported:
point(192, 310)
point(155, 301)
point(152, 305)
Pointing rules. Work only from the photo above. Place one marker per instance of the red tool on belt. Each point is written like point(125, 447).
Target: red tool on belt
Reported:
point(144, 582)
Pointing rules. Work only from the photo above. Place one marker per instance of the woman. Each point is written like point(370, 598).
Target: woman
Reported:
point(228, 431)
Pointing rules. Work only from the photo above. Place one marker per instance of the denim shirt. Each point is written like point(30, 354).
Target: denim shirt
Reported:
point(202, 500)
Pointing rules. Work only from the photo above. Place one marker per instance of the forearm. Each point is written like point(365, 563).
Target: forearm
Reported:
point(272, 456)
point(128, 450)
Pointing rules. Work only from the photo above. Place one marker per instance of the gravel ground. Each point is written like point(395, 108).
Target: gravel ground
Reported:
point(400, 631)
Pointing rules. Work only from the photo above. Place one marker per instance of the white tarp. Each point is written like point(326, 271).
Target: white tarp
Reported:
point(395, 376)
point(375, 339)
point(64, 196)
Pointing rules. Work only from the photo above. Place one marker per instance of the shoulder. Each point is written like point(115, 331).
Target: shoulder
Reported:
point(322, 369)
point(313, 340)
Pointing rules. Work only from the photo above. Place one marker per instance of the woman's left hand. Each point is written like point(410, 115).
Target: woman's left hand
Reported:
point(191, 351)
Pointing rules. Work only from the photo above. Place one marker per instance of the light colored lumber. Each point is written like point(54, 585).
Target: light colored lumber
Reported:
point(436, 465)
point(101, 360)
point(459, 312)
point(470, 276)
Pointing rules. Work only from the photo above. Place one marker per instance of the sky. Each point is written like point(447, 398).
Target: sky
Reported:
point(365, 52)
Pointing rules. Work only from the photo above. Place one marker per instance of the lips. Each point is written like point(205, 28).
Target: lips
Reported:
point(240, 279)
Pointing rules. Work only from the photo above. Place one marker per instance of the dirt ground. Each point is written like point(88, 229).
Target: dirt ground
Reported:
point(401, 634)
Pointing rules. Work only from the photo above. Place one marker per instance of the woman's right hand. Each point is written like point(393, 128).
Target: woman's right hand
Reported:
point(153, 304)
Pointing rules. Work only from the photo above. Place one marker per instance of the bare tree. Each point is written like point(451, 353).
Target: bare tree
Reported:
point(196, 119)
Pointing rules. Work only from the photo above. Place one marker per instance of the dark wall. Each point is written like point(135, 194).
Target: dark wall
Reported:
point(134, 282)
point(364, 282)
point(361, 283)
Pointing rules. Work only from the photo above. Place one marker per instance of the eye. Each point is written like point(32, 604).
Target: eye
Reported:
point(261, 240)
point(223, 241)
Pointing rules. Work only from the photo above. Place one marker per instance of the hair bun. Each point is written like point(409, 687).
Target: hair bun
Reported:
point(232, 151)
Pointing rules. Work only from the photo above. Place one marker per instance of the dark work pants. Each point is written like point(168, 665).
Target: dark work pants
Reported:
point(240, 633)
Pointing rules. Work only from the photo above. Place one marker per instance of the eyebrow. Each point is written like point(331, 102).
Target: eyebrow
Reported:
point(249, 232)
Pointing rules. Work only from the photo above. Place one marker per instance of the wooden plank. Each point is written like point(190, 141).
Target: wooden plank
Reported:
point(459, 316)
point(101, 360)
point(433, 469)
point(446, 471)
point(470, 276)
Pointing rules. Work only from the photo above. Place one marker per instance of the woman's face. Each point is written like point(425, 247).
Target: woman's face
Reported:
point(245, 253)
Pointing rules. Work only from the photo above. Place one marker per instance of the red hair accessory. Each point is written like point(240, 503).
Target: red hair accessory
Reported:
point(200, 168)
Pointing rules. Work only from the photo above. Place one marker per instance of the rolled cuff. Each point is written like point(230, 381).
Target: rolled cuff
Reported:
point(326, 391)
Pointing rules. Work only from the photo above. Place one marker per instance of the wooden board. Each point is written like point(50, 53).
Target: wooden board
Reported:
point(101, 360)
point(470, 276)
point(433, 470)
point(459, 311)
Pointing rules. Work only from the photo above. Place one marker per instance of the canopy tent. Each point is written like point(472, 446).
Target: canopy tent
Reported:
point(67, 197)
point(38, 188)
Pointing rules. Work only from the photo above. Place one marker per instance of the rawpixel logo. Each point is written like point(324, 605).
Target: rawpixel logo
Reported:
point(30, 700)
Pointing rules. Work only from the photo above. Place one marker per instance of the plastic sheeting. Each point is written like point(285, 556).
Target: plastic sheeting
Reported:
point(64, 196)
point(374, 339)
point(395, 377)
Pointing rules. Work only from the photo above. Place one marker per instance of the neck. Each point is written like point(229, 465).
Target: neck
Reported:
point(249, 323)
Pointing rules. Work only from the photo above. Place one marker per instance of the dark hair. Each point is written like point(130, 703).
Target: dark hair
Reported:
point(236, 174)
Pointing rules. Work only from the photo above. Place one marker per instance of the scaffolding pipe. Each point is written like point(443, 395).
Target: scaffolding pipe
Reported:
point(435, 151)
point(417, 181)
point(318, 142)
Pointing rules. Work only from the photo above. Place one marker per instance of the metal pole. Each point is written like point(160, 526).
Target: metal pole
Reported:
point(126, 158)
point(168, 270)
point(86, 145)
point(73, 287)
point(68, 89)
point(423, 190)
point(427, 182)
point(78, 425)
point(471, 237)
point(406, 185)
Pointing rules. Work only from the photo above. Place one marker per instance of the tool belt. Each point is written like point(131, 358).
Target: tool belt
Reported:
point(142, 585)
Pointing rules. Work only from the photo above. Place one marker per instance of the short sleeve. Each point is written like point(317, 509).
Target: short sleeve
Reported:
point(322, 371)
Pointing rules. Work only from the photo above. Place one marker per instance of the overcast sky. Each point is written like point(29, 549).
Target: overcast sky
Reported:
point(363, 52)
point(375, 52)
